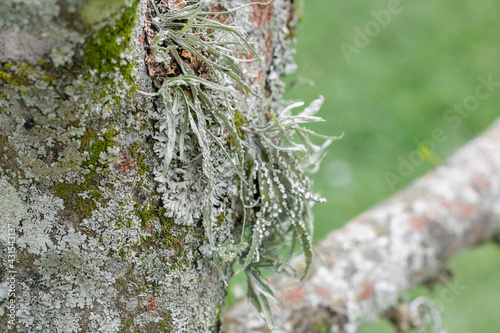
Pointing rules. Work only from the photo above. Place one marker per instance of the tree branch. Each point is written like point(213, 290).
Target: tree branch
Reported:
point(360, 270)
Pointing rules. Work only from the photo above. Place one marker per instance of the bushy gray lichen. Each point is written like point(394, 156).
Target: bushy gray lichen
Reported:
point(204, 152)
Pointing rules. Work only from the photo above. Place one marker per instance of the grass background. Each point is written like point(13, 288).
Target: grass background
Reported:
point(386, 100)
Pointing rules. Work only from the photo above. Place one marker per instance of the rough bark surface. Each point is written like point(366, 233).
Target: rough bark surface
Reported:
point(360, 270)
point(85, 242)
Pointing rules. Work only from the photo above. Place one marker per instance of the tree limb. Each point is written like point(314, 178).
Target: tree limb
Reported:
point(360, 270)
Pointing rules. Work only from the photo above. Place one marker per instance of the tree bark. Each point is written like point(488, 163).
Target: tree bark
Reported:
point(360, 270)
point(86, 242)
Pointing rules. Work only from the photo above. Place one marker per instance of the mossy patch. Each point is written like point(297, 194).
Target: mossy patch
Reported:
point(103, 48)
point(8, 156)
point(239, 121)
point(100, 144)
point(22, 73)
point(219, 220)
point(136, 153)
point(96, 11)
point(80, 198)
point(154, 219)
point(85, 140)
point(127, 326)
point(321, 327)
point(163, 326)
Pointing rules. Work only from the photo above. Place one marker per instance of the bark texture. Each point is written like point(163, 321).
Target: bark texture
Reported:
point(86, 242)
point(360, 270)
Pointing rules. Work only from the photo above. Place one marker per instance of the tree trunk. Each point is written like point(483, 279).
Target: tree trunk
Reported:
point(94, 239)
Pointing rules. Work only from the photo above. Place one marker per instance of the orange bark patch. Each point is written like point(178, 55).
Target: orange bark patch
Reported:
point(418, 222)
point(321, 291)
point(293, 293)
point(267, 57)
point(175, 4)
point(445, 203)
point(468, 211)
point(482, 181)
point(366, 292)
point(362, 218)
point(269, 48)
point(458, 209)
point(330, 261)
point(261, 14)
point(222, 18)
point(196, 64)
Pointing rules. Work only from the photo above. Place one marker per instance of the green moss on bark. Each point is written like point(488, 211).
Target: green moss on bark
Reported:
point(99, 145)
point(239, 121)
point(82, 198)
point(8, 157)
point(104, 47)
point(22, 73)
point(136, 153)
point(154, 218)
point(72, 194)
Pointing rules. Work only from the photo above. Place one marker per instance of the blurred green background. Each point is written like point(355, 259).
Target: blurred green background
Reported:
point(388, 98)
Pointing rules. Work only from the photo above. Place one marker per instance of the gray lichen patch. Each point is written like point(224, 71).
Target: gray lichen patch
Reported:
point(55, 121)
point(53, 36)
point(27, 13)
point(156, 271)
point(22, 46)
point(95, 11)
point(57, 268)
point(48, 110)
point(12, 207)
